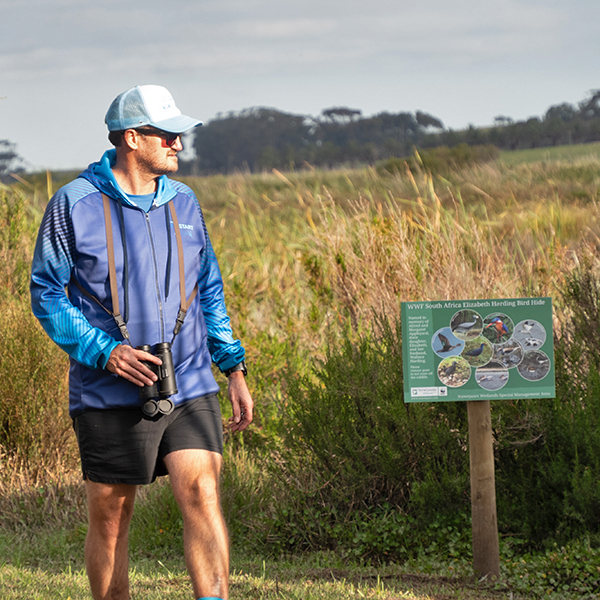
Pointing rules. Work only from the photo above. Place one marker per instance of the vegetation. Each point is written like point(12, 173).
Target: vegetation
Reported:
point(258, 139)
point(10, 161)
point(336, 468)
point(263, 138)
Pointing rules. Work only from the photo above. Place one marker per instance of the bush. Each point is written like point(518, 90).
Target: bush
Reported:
point(34, 424)
point(366, 467)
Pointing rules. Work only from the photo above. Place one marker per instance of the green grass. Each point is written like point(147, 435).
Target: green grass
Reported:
point(554, 153)
point(303, 578)
point(318, 575)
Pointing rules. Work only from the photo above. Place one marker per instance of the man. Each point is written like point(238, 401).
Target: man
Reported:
point(124, 279)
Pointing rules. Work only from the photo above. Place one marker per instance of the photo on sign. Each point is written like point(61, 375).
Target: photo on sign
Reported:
point(534, 366)
point(444, 343)
point(478, 352)
point(498, 328)
point(454, 371)
point(509, 354)
point(466, 324)
point(492, 377)
point(530, 334)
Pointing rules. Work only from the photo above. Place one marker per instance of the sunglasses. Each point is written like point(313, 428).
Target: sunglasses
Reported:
point(168, 139)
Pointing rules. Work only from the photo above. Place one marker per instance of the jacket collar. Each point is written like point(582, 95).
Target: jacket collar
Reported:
point(101, 176)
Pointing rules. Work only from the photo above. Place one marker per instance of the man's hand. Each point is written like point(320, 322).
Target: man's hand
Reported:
point(241, 401)
point(125, 361)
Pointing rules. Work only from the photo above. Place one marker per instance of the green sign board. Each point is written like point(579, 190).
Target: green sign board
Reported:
point(478, 350)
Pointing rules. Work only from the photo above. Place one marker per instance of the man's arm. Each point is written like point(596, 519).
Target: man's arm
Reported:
point(51, 269)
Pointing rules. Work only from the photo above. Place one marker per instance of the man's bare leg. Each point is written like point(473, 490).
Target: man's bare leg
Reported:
point(195, 482)
point(110, 507)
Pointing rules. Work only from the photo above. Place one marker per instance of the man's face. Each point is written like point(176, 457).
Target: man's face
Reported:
point(157, 154)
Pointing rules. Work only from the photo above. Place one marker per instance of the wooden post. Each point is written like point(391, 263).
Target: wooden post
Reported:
point(486, 551)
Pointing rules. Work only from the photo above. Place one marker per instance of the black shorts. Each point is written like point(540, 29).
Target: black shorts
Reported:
point(126, 446)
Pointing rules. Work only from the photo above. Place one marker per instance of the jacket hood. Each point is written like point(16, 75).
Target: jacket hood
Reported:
point(100, 175)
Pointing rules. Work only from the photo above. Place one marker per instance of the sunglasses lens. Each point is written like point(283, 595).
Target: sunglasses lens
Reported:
point(168, 139)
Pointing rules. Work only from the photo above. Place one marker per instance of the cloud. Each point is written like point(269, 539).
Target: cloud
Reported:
point(85, 37)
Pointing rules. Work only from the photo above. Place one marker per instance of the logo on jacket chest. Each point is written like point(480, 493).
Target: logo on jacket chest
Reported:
point(185, 229)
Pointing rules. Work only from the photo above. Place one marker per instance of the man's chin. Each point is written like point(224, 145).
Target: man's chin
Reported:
point(171, 166)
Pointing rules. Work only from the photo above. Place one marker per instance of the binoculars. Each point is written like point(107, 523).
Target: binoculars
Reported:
point(156, 397)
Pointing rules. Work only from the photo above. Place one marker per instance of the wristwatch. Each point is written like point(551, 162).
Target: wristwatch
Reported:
point(239, 367)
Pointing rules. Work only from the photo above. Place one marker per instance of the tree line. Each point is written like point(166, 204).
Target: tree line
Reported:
point(256, 139)
point(259, 138)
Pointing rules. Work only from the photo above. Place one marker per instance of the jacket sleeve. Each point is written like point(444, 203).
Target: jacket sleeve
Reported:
point(225, 351)
point(51, 269)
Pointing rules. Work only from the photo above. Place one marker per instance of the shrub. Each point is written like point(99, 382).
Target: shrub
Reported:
point(364, 464)
point(34, 425)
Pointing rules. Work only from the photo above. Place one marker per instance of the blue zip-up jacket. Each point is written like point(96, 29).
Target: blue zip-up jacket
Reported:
point(71, 247)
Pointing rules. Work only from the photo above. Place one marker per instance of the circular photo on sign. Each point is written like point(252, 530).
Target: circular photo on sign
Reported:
point(492, 377)
point(498, 328)
point(510, 354)
point(444, 343)
point(478, 352)
point(530, 334)
point(466, 324)
point(534, 366)
point(454, 371)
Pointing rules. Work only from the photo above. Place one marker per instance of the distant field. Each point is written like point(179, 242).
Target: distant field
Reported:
point(572, 152)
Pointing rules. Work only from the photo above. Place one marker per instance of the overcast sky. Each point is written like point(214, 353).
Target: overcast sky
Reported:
point(464, 61)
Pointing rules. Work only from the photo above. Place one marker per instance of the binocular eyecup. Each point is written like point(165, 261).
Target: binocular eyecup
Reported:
point(156, 397)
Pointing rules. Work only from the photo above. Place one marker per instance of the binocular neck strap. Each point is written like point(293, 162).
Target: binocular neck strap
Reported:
point(184, 303)
point(112, 271)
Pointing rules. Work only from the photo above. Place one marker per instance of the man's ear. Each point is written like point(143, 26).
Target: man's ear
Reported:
point(131, 138)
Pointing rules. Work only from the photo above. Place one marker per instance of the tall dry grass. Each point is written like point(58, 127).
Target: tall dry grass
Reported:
point(302, 250)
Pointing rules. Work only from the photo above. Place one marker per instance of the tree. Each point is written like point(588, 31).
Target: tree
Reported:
point(502, 121)
point(425, 120)
point(10, 161)
point(254, 138)
point(341, 114)
point(563, 112)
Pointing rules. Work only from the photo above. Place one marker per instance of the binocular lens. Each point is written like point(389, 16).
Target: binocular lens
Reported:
point(150, 408)
point(164, 406)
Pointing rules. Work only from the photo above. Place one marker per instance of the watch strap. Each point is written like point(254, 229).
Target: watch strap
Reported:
point(239, 367)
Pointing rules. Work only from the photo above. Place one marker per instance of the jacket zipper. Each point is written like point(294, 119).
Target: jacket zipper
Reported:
point(160, 306)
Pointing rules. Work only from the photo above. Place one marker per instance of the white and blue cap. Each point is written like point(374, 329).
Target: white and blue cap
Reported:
point(147, 105)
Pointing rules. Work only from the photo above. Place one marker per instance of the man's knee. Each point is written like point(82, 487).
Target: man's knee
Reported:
point(110, 509)
point(195, 478)
point(200, 494)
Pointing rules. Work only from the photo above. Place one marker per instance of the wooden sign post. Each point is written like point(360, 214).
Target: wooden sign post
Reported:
point(486, 550)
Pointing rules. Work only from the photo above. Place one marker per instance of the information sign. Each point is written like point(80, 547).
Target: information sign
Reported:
point(463, 350)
